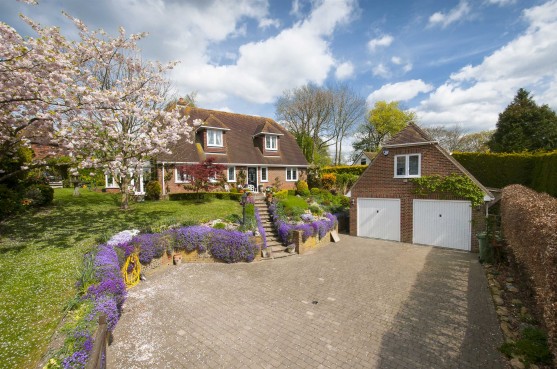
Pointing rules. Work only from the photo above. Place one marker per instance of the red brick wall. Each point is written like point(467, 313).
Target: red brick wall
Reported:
point(378, 182)
point(272, 173)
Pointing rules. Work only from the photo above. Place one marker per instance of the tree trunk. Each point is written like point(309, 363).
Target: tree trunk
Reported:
point(124, 203)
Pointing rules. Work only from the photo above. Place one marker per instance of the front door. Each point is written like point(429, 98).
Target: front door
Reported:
point(252, 177)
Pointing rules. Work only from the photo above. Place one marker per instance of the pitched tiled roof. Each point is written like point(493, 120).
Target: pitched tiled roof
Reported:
point(267, 127)
point(213, 122)
point(412, 134)
point(240, 145)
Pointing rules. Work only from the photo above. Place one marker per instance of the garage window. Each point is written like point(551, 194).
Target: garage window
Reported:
point(408, 166)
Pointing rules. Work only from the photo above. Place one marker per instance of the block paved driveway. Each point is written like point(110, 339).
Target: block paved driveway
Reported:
point(359, 303)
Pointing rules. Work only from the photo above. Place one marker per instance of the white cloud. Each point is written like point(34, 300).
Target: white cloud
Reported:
point(397, 60)
point(264, 69)
point(344, 70)
point(383, 41)
point(454, 15)
point(501, 2)
point(381, 70)
point(476, 94)
point(269, 22)
point(401, 91)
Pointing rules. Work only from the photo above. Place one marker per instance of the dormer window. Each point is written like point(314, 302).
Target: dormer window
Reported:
point(271, 142)
point(214, 137)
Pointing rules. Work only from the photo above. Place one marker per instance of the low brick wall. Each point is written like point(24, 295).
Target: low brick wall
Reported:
point(190, 257)
point(312, 242)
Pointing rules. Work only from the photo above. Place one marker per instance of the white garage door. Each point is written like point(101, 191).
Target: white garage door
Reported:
point(379, 218)
point(442, 223)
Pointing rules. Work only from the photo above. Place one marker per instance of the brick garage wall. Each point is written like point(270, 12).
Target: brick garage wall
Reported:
point(378, 182)
point(273, 172)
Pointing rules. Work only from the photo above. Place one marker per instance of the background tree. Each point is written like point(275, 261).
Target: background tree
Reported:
point(448, 137)
point(204, 175)
point(307, 113)
point(383, 121)
point(348, 109)
point(475, 142)
point(525, 126)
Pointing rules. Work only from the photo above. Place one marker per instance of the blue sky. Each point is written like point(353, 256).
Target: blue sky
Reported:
point(453, 62)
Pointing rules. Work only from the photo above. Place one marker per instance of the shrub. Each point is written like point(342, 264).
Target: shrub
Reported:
point(328, 180)
point(231, 246)
point(294, 206)
point(151, 246)
point(10, 201)
point(219, 225)
point(532, 346)
point(345, 181)
point(528, 221)
point(302, 188)
point(281, 194)
point(192, 238)
point(153, 190)
point(314, 191)
point(344, 169)
point(291, 192)
point(204, 196)
point(39, 194)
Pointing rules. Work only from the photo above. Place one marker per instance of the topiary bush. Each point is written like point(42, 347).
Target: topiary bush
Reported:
point(302, 188)
point(328, 181)
point(153, 190)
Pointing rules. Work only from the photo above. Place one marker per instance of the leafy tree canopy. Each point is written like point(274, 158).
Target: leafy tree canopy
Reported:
point(383, 121)
point(525, 126)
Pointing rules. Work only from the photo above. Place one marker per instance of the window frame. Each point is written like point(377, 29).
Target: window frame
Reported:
point(176, 177)
point(214, 144)
point(266, 174)
point(228, 179)
point(269, 143)
point(292, 171)
point(407, 166)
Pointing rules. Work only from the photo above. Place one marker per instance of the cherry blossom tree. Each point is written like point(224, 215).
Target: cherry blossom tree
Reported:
point(95, 97)
point(126, 121)
point(34, 75)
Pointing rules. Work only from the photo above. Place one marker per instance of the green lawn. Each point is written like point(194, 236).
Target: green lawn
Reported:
point(40, 255)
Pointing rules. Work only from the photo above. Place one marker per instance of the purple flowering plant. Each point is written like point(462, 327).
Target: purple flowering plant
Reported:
point(260, 228)
point(232, 246)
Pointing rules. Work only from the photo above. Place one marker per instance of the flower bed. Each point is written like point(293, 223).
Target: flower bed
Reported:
point(309, 225)
point(101, 285)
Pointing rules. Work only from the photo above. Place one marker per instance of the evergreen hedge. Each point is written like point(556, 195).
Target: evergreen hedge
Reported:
point(344, 169)
point(205, 196)
point(535, 170)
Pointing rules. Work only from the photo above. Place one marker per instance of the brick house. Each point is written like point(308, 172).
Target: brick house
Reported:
point(256, 151)
point(385, 206)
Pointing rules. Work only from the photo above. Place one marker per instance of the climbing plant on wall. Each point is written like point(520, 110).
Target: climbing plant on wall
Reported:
point(454, 184)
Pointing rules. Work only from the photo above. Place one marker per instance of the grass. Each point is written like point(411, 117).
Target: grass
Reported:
point(40, 255)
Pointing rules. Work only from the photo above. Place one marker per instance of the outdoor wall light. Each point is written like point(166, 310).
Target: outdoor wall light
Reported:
point(352, 201)
point(385, 152)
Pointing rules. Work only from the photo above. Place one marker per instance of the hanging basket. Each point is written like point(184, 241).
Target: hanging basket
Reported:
point(132, 270)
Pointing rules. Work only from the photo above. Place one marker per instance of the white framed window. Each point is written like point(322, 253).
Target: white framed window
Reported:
point(291, 174)
point(408, 166)
point(271, 142)
point(110, 181)
point(264, 174)
point(231, 174)
point(180, 175)
point(214, 137)
point(363, 161)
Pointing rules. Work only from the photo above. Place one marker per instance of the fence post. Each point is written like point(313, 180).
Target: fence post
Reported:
point(97, 360)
